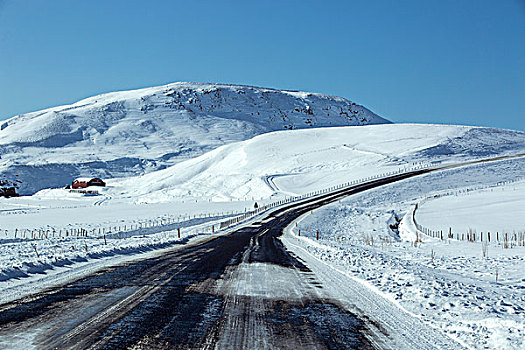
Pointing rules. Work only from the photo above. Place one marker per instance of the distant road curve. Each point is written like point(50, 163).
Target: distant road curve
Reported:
point(269, 181)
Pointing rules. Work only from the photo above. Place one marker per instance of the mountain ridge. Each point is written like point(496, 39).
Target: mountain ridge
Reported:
point(132, 132)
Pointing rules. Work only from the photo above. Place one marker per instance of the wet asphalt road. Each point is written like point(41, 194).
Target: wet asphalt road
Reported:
point(242, 290)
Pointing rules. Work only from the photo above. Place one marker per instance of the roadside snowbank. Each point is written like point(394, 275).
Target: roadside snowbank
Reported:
point(449, 284)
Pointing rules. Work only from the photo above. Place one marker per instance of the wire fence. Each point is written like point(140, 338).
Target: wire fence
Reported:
point(504, 238)
point(183, 225)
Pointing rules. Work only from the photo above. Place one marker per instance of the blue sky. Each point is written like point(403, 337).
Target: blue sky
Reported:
point(447, 61)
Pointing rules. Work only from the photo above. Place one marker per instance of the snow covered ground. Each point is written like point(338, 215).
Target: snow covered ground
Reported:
point(449, 284)
point(229, 180)
point(495, 209)
point(302, 161)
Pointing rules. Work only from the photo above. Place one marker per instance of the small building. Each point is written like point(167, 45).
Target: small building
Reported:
point(96, 182)
point(79, 183)
point(86, 182)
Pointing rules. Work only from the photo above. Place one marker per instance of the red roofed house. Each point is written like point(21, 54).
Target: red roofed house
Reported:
point(85, 182)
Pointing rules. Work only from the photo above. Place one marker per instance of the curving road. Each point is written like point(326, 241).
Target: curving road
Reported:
point(244, 290)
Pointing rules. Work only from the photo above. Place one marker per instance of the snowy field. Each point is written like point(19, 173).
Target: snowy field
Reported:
point(496, 209)
point(301, 161)
point(449, 284)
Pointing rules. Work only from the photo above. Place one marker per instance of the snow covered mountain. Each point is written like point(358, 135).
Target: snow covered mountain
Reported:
point(134, 132)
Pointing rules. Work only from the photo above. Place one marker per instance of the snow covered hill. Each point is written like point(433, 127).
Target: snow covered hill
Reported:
point(134, 132)
point(307, 160)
